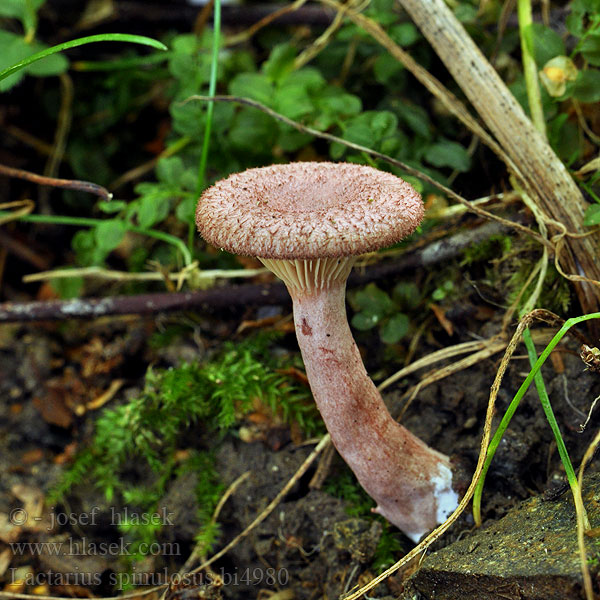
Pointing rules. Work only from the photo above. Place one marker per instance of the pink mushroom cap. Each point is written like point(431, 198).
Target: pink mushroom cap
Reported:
point(307, 210)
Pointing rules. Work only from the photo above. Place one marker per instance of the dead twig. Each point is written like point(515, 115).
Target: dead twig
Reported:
point(230, 297)
point(63, 126)
point(69, 184)
point(198, 551)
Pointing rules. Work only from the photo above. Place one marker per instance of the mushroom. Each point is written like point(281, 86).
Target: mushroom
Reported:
point(307, 222)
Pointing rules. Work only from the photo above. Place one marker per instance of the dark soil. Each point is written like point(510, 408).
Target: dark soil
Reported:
point(308, 544)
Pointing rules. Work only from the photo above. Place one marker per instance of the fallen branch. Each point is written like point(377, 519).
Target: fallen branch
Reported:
point(228, 297)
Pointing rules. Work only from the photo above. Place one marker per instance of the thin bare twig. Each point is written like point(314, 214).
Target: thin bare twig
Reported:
point(199, 549)
point(63, 126)
point(112, 275)
point(69, 184)
point(24, 207)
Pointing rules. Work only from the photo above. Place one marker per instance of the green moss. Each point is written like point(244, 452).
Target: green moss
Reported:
point(139, 438)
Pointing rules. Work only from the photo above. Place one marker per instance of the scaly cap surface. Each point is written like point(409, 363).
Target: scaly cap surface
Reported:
point(308, 210)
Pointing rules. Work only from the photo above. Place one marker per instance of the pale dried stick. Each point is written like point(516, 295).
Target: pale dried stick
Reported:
point(253, 29)
point(24, 207)
point(425, 361)
point(198, 551)
point(492, 346)
point(112, 275)
point(321, 42)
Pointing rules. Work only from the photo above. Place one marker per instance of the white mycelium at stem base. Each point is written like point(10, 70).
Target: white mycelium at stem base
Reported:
point(411, 483)
point(306, 222)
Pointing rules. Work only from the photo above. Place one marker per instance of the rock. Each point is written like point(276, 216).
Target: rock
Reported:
point(530, 554)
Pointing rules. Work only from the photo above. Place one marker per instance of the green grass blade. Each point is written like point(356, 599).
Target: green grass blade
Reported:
point(104, 37)
point(212, 87)
point(545, 401)
point(515, 403)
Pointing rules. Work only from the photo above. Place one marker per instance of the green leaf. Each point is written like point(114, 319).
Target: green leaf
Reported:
point(416, 118)
point(112, 206)
point(546, 43)
point(186, 209)
point(395, 328)
point(564, 138)
point(406, 294)
point(466, 13)
point(404, 34)
point(337, 102)
point(308, 77)
point(382, 11)
point(84, 245)
point(589, 6)
point(370, 128)
point(253, 131)
point(280, 62)
point(51, 65)
point(372, 300)
point(170, 170)
point(592, 215)
point(293, 101)
point(255, 86)
point(189, 118)
point(359, 133)
point(189, 64)
point(386, 67)
point(587, 86)
point(590, 48)
point(109, 234)
point(24, 10)
point(151, 211)
point(574, 23)
point(364, 321)
point(290, 139)
point(448, 154)
point(15, 49)
point(383, 123)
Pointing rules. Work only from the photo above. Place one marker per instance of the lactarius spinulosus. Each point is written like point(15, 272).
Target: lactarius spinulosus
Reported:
point(307, 222)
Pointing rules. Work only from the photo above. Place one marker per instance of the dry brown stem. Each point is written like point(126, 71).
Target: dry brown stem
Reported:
point(541, 173)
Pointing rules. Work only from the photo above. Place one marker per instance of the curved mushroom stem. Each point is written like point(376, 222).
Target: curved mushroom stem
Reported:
point(411, 483)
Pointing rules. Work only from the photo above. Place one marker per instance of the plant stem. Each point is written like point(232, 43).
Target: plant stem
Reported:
point(545, 401)
point(529, 66)
point(87, 222)
point(212, 87)
point(123, 63)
